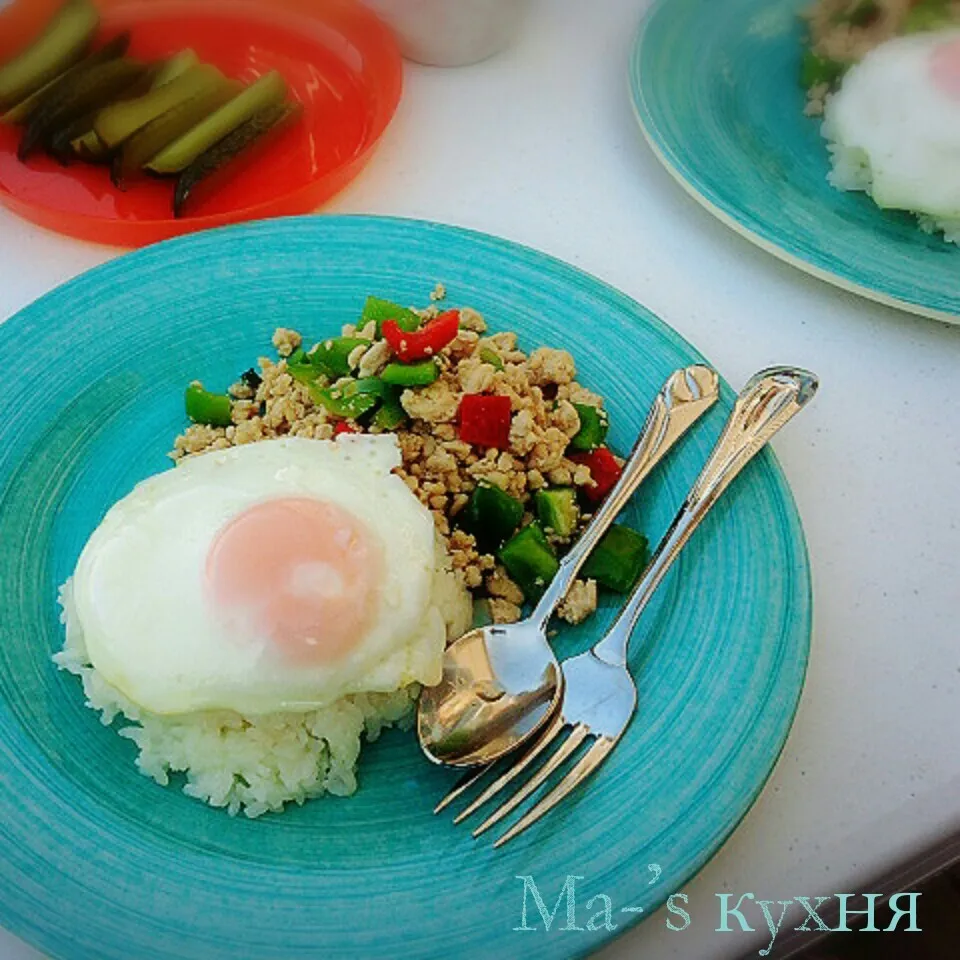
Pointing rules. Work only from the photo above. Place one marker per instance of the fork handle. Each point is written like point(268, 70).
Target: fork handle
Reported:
point(768, 401)
point(683, 399)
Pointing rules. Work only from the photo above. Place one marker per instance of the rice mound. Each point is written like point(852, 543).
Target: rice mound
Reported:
point(851, 172)
point(251, 764)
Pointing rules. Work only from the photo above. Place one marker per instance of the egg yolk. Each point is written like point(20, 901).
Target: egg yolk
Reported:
point(945, 68)
point(306, 572)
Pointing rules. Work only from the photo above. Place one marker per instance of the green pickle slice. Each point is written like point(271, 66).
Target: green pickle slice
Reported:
point(96, 88)
point(60, 46)
point(175, 67)
point(24, 110)
point(270, 90)
point(119, 121)
point(149, 140)
point(226, 151)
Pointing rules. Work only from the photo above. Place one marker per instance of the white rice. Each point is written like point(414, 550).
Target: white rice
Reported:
point(249, 764)
point(851, 172)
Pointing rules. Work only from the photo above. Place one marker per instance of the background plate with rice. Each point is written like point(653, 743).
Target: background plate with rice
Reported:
point(716, 91)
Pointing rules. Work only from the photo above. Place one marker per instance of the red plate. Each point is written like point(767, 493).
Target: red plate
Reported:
point(338, 58)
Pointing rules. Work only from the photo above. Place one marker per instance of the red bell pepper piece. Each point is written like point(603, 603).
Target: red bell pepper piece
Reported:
point(485, 421)
point(604, 470)
point(341, 427)
point(426, 342)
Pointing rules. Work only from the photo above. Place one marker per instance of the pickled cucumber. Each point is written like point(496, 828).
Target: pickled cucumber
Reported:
point(23, 111)
point(268, 91)
point(176, 117)
point(147, 142)
point(227, 150)
point(119, 121)
point(177, 65)
point(60, 144)
point(90, 147)
point(95, 88)
point(60, 46)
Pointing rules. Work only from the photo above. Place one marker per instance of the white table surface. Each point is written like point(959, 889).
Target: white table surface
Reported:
point(540, 146)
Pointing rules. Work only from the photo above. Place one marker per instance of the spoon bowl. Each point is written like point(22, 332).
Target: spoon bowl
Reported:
point(500, 684)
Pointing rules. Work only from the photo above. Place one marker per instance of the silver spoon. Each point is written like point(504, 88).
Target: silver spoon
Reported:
point(500, 684)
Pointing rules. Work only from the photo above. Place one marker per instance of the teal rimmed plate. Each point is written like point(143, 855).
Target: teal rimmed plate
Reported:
point(99, 862)
point(716, 90)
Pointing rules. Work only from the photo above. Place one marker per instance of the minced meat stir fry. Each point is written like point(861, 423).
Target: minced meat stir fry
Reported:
point(506, 449)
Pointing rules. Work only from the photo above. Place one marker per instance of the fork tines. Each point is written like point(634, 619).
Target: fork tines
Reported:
point(567, 747)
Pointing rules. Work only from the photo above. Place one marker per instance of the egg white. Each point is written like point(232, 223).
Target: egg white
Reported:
point(152, 632)
point(908, 129)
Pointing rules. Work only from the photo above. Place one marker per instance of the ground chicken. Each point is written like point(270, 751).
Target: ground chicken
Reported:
point(356, 355)
point(464, 346)
point(504, 345)
point(566, 418)
point(500, 585)
point(198, 438)
point(580, 601)
point(475, 376)
point(374, 359)
point(437, 403)
point(250, 431)
point(578, 394)
point(468, 563)
point(548, 451)
point(286, 341)
point(242, 391)
point(244, 410)
point(503, 611)
point(523, 433)
point(473, 321)
point(581, 475)
point(547, 365)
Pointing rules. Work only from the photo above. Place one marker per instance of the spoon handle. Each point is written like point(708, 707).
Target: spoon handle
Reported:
point(684, 398)
point(768, 401)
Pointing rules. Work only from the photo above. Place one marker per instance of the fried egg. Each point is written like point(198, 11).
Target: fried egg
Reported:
point(895, 123)
point(276, 576)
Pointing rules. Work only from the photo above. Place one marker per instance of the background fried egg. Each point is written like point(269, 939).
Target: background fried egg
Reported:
point(900, 109)
point(281, 575)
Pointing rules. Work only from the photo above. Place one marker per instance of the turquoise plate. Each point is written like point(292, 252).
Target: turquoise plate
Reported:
point(99, 862)
point(715, 87)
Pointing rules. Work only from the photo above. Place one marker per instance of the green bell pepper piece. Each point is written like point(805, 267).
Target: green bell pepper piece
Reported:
point(927, 15)
point(530, 560)
point(557, 510)
point(379, 310)
point(618, 560)
point(491, 515)
point(420, 374)
point(594, 424)
point(348, 401)
point(492, 357)
point(815, 70)
point(331, 356)
point(391, 413)
point(213, 409)
point(301, 369)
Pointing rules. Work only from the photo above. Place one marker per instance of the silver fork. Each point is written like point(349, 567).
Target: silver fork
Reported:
point(600, 696)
